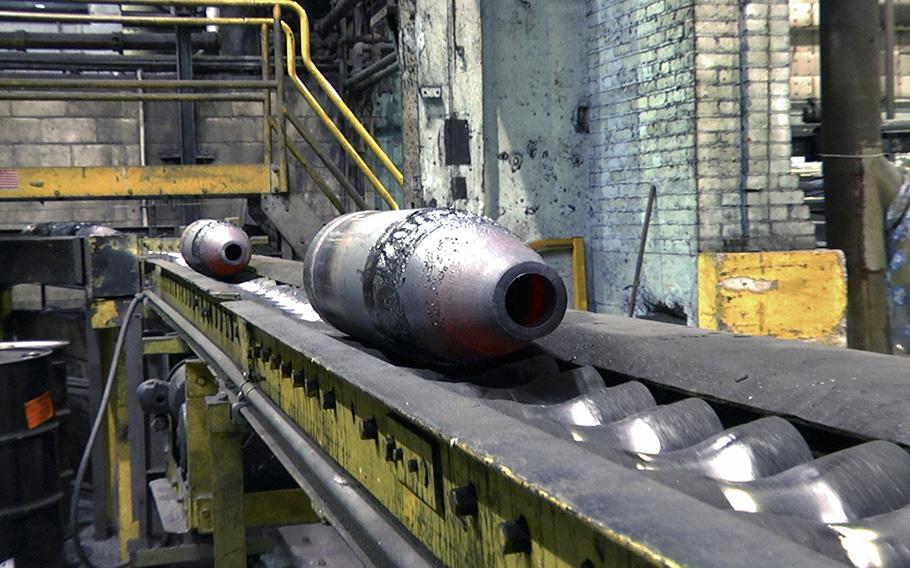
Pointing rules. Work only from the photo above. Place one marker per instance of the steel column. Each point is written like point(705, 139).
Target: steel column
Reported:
point(187, 113)
point(228, 527)
point(851, 41)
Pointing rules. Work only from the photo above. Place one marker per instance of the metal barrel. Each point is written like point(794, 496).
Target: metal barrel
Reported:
point(30, 522)
point(215, 248)
point(440, 285)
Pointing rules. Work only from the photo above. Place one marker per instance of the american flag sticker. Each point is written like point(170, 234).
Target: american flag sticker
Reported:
point(9, 178)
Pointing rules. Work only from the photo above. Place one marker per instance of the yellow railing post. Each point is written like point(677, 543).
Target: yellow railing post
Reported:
point(579, 269)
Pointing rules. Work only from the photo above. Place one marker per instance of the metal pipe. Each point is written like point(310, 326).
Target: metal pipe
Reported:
point(134, 84)
point(343, 501)
point(130, 20)
point(440, 285)
point(890, 38)
point(376, 77)
point(352, 119)
point(365, 73)
point(333, 128)
point(117, 41)
point(235, 64)
point(336, 172)
point(92, 96)
point(340, 10)
point(186, 112)
point(633, 298)
point(144, 206)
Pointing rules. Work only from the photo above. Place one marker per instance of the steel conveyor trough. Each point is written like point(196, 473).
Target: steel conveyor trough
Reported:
point(610, 442)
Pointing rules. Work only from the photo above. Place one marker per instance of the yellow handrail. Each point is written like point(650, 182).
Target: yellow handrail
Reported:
point(327, 120)
point(323, 83)
point(308, 63)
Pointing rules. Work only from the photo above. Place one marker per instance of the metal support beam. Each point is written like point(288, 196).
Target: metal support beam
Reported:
point(187, 113)
point(137, 182)
point(851, 40)
point(340, 10)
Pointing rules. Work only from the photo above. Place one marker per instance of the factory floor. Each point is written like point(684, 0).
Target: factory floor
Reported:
point(296, 546)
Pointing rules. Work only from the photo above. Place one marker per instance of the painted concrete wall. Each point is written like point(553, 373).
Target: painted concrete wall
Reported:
point(535, 103)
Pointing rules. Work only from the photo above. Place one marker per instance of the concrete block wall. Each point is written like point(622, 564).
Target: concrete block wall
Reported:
point(691, 96)
point(68, 133)
point(83, 133)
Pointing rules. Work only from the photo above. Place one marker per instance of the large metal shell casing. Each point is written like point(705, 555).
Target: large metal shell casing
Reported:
point(440, 285)
point(215, 248)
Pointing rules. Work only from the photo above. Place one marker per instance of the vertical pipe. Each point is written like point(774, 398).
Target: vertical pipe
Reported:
point(636, 282)
point(890, 38)
point(744, 229)
point(279, 100)
point(187, 108)
point(144, 206)
point(851, 42)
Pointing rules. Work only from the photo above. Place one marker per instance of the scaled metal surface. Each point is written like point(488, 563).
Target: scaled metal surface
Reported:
point(215, 248)
point(440, 285)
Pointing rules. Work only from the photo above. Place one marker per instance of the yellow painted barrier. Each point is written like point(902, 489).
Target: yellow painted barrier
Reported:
point(787, 294)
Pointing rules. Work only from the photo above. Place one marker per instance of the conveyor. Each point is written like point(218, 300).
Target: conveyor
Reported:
point(610, 442)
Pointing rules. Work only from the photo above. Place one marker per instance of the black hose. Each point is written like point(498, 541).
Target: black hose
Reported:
point(96, 427)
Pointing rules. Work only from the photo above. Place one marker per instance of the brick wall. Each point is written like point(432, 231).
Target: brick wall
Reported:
point(643, 109)
point(743, 125)
point(670, 108)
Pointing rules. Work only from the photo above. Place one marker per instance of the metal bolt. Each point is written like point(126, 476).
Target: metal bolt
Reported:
point(389, 444)
point(368, 430)
point(200, 381)
point(311, 387)
point(285, 369)
point(328, 400)
point(275, 361)
point(464, 501)
point(265, 353)
point(205, 513)
point(298, 378)
point(515, 537)
point(397, 454)
point(256, 350)
point(413, 465)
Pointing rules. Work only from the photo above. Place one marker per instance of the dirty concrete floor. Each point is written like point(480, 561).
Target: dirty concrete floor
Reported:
point(296, 546)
